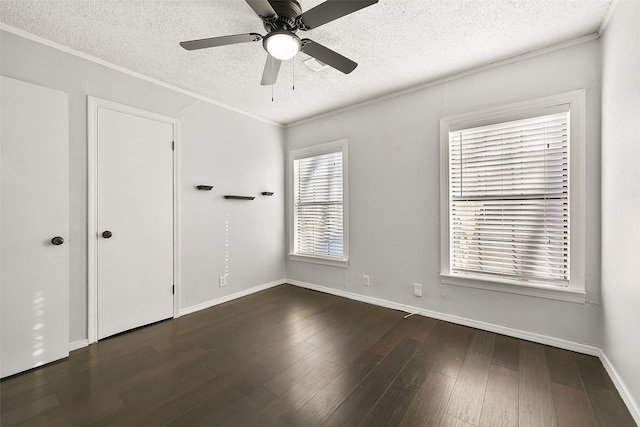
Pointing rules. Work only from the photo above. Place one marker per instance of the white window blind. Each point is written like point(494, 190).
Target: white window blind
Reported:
point(509, 199)
point(318, 205)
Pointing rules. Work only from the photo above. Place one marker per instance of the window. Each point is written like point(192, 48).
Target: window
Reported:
point(512, 193)
point(319, 210)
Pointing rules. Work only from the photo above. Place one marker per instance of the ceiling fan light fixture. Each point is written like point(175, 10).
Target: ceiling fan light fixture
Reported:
point(282, 44)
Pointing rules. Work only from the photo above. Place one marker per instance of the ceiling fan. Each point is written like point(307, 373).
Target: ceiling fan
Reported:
point(282, 19)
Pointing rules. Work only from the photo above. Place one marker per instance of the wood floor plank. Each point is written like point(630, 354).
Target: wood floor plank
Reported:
point(166, 397)
point(226, 356)
point(38, 382)
point(341, 326)
point(392, 406)
point(106, 378)
point(535, 403)
point(416, 328)
point(167, 410)
point(609, 408)
point(168, 372)
point(18, 414)
point(317, 409)
point(159, 413)
point(366, 336)
point(299, 394)
point(163, 386)
point(12, 398)
point(428, 405)
point(505, 352)
point(292, 348)
point(420, 328)
point(562, 367)
point(500, 406)
point(312, 311)
point(426, 356)
point(94, 407)
point(328, 360)
point(283, 381)
point(254, 372)
point(358, 404)
point(468, 393)
point(207, 410)
point(238, 413)
point(452, 354)
point(605, 400)
point(451, 421)
point(573, 407)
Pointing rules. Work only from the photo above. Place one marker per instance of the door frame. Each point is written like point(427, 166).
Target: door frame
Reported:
point(93, 104)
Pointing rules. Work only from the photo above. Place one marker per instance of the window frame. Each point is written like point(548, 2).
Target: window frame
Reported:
point(312, 151)
point(575, 103)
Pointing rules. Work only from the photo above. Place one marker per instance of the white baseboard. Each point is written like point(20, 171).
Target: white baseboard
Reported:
point(632, 405)
point(77, 345)
point(85, 342)
point(208, 304)
point(542, 339)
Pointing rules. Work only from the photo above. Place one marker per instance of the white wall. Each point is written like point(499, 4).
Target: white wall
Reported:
point(244, 239)
point(394, 194)
point(394, 187)
point(232, 151)
point(621, 194)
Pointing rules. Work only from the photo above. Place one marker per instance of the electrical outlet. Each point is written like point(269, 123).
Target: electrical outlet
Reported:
point(417, 289)
point(365, 280)
point(223, 280)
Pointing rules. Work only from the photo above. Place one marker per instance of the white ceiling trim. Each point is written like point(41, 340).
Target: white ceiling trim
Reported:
point(399, 44)
point(63, 48)
point(534, 53)
point(607, 17)
point(474, 70)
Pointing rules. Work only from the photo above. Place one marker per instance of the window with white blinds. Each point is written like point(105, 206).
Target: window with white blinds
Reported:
point(509, 199)
point(318, 203)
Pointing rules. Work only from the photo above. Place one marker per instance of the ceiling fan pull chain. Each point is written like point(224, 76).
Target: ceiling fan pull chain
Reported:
point(273, 83)
point(294, 73)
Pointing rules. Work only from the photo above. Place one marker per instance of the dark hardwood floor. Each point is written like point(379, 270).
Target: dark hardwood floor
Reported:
point(294, 357)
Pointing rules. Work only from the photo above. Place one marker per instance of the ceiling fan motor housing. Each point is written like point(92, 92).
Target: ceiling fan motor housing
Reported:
point(287, 11)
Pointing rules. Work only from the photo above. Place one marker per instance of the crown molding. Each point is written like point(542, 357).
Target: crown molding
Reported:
point(451, 77)
point(29, 36)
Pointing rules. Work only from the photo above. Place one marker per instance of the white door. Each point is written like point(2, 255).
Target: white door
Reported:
point(134, 221)
point(34, 287)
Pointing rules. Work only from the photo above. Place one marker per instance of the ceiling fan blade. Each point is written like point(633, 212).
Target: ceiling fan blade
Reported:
point(330, 10)
point(328, 56)
point(270, 73)
point(220, 41)
point(261, 7)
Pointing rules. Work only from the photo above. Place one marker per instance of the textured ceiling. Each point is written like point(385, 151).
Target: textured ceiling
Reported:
point(398, 44)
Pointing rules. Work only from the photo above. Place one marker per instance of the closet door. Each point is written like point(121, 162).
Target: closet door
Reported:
point(134, 219)
point(34, 198)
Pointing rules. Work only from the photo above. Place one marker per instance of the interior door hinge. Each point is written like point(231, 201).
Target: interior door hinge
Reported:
point(173, 289)
point(173, 145)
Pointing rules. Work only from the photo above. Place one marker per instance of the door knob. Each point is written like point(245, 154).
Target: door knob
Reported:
point(107, 234)
point(57, 241)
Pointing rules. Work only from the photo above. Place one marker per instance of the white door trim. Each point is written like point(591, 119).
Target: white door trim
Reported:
point(93, 103)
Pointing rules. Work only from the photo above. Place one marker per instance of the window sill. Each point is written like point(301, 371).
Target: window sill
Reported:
point(536, 290)
point(333, 262)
